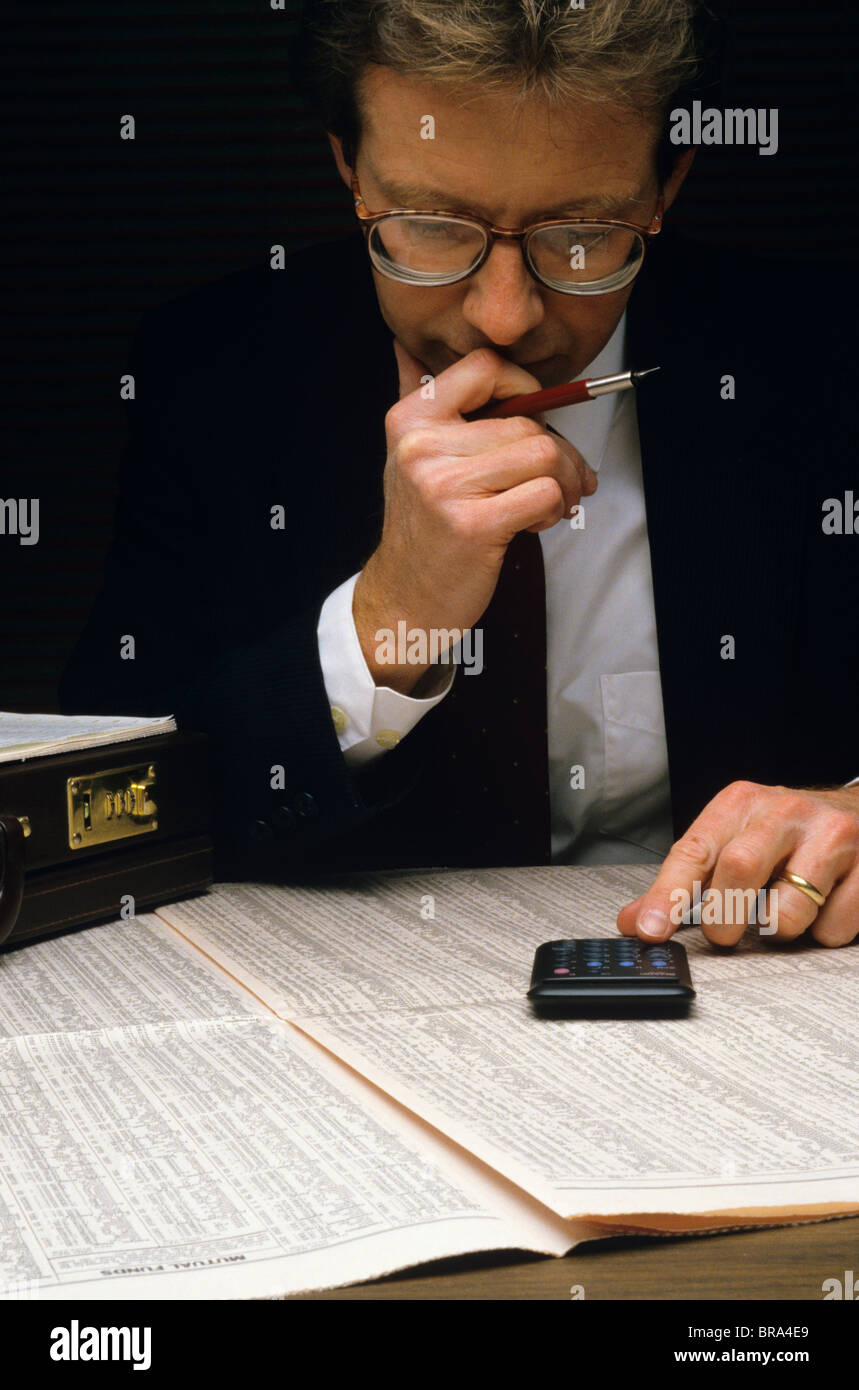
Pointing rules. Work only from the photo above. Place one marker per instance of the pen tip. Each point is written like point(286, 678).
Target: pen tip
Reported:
point(636, 376)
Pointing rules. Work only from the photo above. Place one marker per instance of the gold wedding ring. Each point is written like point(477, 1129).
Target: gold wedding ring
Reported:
point(804, 887)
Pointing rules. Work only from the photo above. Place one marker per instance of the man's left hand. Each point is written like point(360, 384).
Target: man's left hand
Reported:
point(743, 839)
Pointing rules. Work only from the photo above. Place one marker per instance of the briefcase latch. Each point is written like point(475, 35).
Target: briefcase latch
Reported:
point(111, 805)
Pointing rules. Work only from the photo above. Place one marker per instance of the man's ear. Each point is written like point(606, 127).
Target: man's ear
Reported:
point(672, 184)
point(342, 167)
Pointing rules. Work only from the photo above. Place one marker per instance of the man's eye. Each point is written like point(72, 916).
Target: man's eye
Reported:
point(442, 233)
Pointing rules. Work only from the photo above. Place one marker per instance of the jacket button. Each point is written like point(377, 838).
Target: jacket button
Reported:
point(305, 806)
point(283, 818)
point(260, 833)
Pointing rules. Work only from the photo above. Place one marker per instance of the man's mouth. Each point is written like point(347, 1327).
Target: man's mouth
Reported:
point(526, 366)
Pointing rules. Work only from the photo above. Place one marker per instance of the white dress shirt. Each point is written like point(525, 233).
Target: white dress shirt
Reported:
point(603, 690)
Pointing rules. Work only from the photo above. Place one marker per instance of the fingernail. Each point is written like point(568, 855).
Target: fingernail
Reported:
point(654, 924)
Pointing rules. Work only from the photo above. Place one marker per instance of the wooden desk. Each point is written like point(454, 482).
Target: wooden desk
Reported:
point(787, 1263)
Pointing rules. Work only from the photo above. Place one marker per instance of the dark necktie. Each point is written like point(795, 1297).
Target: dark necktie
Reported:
point(498, 721)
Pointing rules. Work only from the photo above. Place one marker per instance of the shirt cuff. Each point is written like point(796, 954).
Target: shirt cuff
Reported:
point(369, 718)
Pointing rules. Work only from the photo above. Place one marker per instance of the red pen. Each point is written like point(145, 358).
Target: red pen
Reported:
point(571, 394)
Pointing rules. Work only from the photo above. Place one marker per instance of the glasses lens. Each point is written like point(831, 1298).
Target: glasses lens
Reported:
point(425, 250)
point(588, 258)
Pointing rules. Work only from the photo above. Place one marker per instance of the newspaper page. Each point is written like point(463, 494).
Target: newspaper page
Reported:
point(399, 940)
point(130, 971)
point(37, 735)
point(744, 1112)
point(165, 1136)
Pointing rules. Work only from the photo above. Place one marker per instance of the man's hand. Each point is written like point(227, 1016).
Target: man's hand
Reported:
point(744, 838)
point(456, 493)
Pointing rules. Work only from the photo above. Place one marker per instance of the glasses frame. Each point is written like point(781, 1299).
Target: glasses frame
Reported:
point(369, 220)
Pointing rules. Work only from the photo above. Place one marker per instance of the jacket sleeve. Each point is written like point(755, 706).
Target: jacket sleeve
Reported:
point(172, 632)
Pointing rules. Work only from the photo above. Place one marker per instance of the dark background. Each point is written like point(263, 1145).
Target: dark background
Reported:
point(225, 163)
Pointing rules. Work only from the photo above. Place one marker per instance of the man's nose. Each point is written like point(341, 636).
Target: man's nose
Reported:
point(502, 300)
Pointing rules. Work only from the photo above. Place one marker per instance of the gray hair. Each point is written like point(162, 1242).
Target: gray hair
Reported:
point(636, 54)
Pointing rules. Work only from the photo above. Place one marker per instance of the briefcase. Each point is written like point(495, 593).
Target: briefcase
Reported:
point(100, 834)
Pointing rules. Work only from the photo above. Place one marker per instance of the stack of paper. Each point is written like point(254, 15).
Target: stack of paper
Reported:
point(35, 735)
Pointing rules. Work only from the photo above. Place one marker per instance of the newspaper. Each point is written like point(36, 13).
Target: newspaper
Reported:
point(271, 1090)
point(744, 1112)
point(25, 736)
point(165, 1136)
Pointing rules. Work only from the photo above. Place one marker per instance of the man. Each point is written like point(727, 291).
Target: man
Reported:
point(667, 634)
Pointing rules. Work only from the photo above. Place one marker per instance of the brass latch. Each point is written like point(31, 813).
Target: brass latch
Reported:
point(111, 805)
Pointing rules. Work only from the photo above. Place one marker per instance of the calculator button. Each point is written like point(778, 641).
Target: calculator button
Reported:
point(560, 970)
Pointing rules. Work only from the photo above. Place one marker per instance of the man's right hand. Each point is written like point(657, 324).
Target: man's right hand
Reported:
point(456, 493)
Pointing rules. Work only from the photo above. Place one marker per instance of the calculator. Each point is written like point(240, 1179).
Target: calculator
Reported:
point(611, 975)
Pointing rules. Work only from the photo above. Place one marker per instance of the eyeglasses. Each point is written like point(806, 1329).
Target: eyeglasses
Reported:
point(572, 255)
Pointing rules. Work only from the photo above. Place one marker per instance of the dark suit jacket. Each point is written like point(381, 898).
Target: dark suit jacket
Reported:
point(270, 388)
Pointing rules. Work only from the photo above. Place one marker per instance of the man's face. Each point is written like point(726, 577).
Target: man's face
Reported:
point(512, 168)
